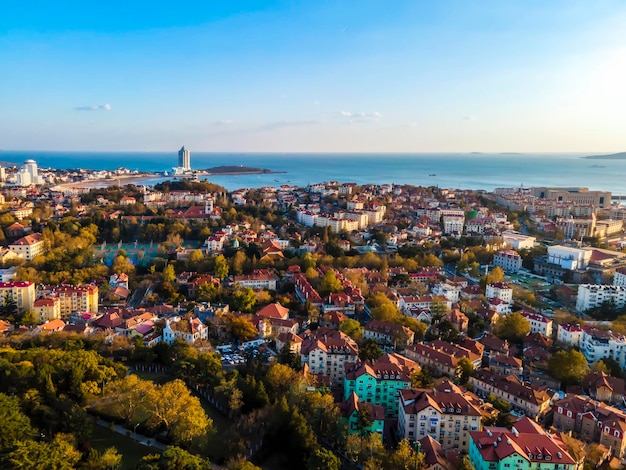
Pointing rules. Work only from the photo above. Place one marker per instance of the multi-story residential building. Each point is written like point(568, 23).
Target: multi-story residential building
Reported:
point(380, 380)
point(47, 308)
point(508, 260)
point(539, 323)
point(189, 330)
point(599, 344)
point(603, 387)
point(506, 365)
point(388, 333)
point(82, 298)
point(619, 278)
point(326, 352)
point(569, 334)
point(524, 447)
point(441, 356)
point(259, 279)
point(29, 246)
point(451, 293)
point(448, 417)
point(499, 290)
point(452, 224)
point(532, 402)
point(409, 302)
point(592, 295)
point(22, 293)
point(592, 421)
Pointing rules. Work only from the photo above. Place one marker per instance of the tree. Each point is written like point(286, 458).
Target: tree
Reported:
point(352, 328)
point(242, 329)
point(465, 463)
point(405, 458)
point(329, 284)
point(30, 318)
point(467, 369)
point(323, 459)
point(513, 327)
point(422, 378)
point(173, 406)
point(122, 264)
point(14, 424)
point(169, 275)
point(128, 395)
point(568, 366)
point(370, 349)
point(59, 454)
point(174, 457)
point(381, 307)
point(242, 299)
point(221, 267)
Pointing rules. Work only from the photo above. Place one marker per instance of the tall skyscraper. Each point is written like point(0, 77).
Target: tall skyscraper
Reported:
point(28, 174)
point(184, 158)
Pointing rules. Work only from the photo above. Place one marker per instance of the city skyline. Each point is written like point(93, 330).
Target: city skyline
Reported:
point(329, 77)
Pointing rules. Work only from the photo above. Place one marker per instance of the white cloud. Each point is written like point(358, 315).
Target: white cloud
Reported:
point(223, 122)
point(469, 118)
point(353, 117)
point(96, 107)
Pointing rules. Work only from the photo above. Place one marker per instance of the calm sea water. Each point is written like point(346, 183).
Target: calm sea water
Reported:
point(472, 171)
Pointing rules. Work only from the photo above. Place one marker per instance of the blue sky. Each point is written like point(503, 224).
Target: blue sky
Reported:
point(377, 76)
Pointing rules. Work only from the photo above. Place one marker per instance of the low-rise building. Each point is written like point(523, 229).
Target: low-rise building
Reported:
point(532, 402)
point(29, 246)
point(189, 330)
point(387, 333)
point(350, 409)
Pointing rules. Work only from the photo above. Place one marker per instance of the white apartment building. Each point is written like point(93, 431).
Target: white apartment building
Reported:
point(598, 344)
point(451, 293)
point(569, 334)
point(29, 246)
point(620, 277)
point(591, 296)
point(500, 290)
point(539, 323)
point(453, 224)
point(508, 260)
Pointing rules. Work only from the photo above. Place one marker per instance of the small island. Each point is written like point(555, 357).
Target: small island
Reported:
point(235, 170)
point(612, 156)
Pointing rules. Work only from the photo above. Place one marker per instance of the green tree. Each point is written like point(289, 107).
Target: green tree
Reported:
point(169, 274)
point(128, 395)
point(242, 299)
point(323, 459)
point(174, 457)
point(14, 424)
point(242, 329)
point(568, 366)
point(329, 284)
point(405, 458)
point(513, 327)
point(370, 349)
point(59, 454)
point(122, 264)
point(221, 267)
point(465, 463)
point(352, 328)
point(30, 318)
point(382, 308)
point(467, 369)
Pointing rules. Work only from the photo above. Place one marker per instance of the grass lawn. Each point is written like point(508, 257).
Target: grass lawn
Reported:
point(131, 451)
point(155, 377)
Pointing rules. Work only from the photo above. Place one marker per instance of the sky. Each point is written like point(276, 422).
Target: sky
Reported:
point(314, 76)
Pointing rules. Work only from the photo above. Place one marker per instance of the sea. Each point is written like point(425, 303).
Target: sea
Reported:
point(446, 170)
